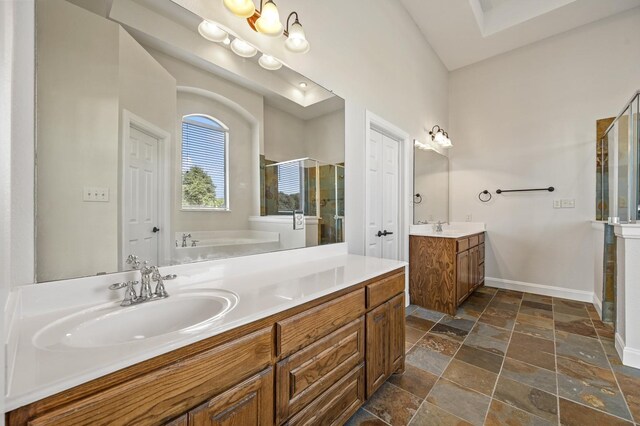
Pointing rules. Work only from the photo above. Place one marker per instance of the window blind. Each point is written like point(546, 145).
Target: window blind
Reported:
point(203, 146)
point(289, 183)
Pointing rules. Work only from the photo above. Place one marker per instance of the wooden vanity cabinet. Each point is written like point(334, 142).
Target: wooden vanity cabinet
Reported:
point(312, 364)
point(385, 333)
point(443, 272)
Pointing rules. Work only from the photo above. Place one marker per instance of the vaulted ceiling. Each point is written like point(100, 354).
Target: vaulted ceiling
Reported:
point(463, 32)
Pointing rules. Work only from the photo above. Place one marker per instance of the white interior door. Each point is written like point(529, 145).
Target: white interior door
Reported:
point(141, 196)
point(383, 196)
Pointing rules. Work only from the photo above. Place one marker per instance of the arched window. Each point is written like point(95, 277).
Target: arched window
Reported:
point(204, 163)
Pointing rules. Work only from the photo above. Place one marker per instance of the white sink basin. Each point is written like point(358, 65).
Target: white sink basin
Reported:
point(111, 324)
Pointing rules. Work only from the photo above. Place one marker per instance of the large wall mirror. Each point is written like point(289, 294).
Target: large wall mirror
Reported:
point(430, 186)
point(154, 141)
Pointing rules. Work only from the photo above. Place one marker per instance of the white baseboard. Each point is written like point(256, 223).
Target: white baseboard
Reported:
point(629, 356)
point(598, 304)
point(544, 290)
point(619, 343)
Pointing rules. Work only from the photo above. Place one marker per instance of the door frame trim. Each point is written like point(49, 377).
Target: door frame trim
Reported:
point(405, 178)
point(164, 184)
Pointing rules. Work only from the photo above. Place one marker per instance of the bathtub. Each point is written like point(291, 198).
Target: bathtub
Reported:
point(211, 245)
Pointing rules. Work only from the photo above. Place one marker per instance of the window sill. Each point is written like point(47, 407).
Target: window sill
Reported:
point(203, 209)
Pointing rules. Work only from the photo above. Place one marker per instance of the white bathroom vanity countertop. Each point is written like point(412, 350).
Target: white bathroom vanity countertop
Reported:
point(265, 285)
point(449, 230)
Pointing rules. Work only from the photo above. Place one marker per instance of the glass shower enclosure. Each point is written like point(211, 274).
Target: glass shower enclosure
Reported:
point(310, 186)
point(620, 180)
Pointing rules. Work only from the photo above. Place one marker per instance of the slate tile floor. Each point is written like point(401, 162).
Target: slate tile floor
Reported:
point(508, 358)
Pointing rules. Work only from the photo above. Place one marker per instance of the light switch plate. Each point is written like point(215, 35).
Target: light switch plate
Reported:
point(568, 204)
point(95, 194)
point(298, 220)
point(557, 204)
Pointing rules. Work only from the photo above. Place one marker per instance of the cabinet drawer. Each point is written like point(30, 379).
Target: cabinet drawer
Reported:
point(247, 403)
point(481, 253)
point(481, 238)
point(381, 291)
point(170, 391)
point(337, 404)
point(473, 241)
point(309, 372)
point(308, 326)
point(462, 245)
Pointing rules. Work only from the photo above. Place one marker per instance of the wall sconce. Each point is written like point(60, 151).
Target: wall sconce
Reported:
point(267, 21)
point(440, 136)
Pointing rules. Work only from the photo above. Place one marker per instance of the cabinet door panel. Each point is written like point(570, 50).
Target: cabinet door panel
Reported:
point(462, 279)
point(246, 404)
point(377, 347)
point(303, 376)
point(396, 338)
point(473, 269)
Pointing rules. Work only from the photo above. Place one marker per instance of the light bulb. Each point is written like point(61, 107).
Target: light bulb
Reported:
point(240, 8)
point(269, 62)
point(242, 48)
point(226, 41)
point(297, 41)
point(212, 32)
point(269, 21)
point(303, 85)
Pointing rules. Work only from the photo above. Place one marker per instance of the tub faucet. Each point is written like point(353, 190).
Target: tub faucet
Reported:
point(184, 239)
point(437, 227)
point(193, 243)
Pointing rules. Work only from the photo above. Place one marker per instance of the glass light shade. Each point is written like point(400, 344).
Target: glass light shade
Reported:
point(269, 21)
point(439, 137)
point(241, 8)
point(447, 143)
point(212, 31)
point(269, 62)
point(243, 49)
point(297, 41)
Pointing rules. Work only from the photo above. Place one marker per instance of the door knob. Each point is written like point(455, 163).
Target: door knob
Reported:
point(385, 233)
point(155, 229)
point(379, 234)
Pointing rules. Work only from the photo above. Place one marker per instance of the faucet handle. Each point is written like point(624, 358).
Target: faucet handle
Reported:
point(118, 286)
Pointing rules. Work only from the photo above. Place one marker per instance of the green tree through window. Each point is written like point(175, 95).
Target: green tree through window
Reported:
point(198, 189)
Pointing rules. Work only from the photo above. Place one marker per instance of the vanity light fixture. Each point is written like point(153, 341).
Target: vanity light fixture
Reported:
point(212, 32)
point(242, 48)
point(267, 21)
point(240, 8)
point(440, 136)
point(268, 62)
point(296, 41)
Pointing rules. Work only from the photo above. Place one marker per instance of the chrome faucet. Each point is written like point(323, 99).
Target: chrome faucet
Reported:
point(184, 239)
point(147, 274)
point(437, 227)
point(193, 243)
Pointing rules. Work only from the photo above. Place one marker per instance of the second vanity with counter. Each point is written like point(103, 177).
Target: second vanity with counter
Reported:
point(305, 343)
point(446, 265)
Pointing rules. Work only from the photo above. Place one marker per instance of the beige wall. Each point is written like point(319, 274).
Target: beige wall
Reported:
point(284, 135)
point(325, 139)
point(77, 141)
point(528, 119)
point(90, 70)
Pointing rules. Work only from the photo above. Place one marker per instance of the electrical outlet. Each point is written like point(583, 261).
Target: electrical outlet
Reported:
point(568, 204)
point(557, 204)
point(469, 218)
point(95, 194)
point(298, 220)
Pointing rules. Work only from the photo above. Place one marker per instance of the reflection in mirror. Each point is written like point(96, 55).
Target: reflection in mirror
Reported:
point(154, 141)
point(431, 182)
